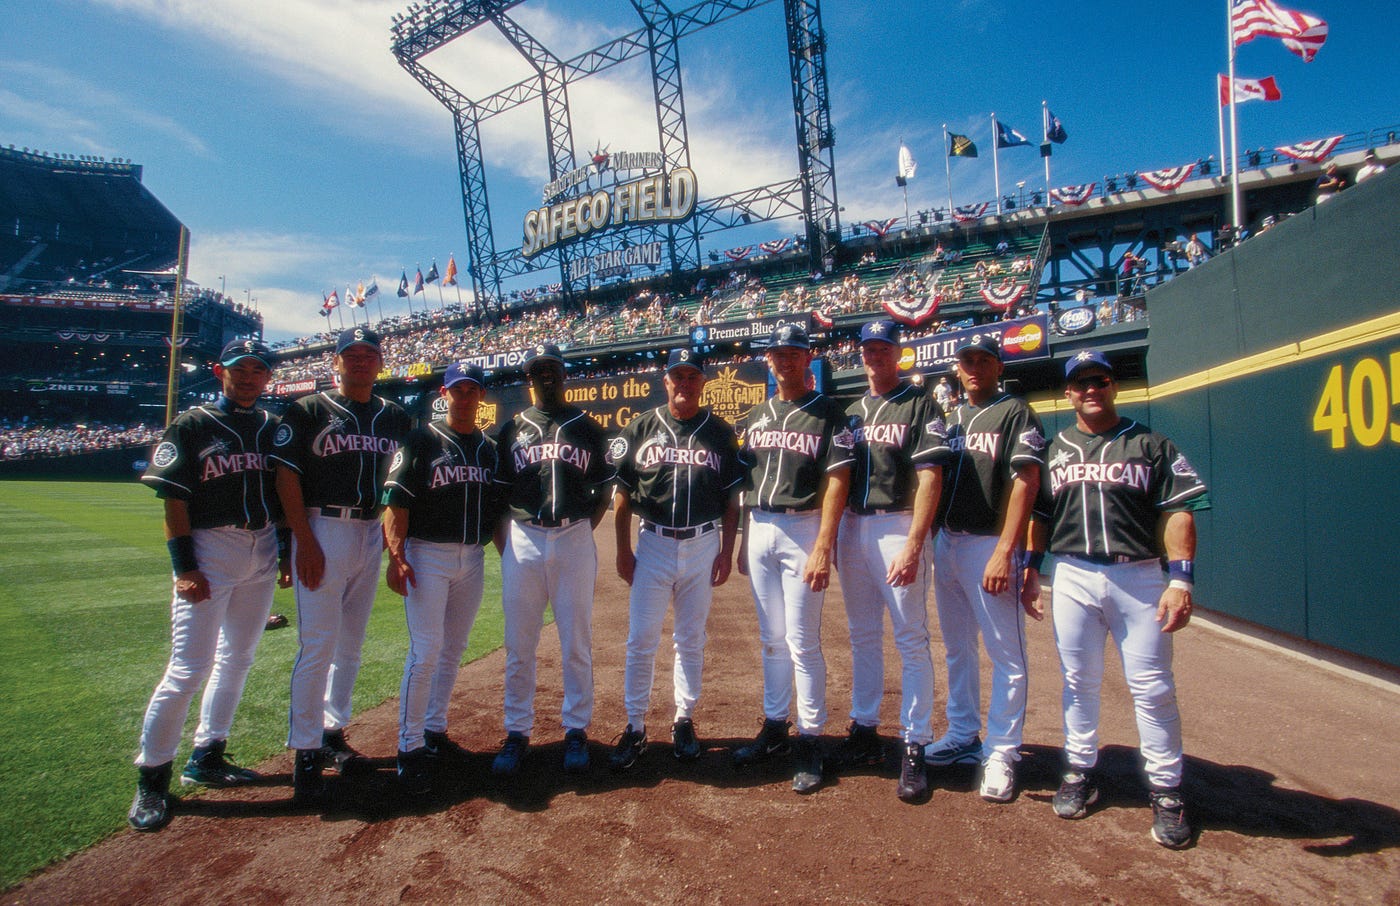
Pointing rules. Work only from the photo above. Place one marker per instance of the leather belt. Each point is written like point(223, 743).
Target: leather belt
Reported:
point(552, 523)
point(680, 534)
point(1106, 559)
point(788, 510)
point(346, 512)
point(875, 512)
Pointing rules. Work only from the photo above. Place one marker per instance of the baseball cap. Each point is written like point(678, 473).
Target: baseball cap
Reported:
point(682, 357)
point(789, 335)
point(885, 331)
point(245, 349)
point(989, 345)
point(544, 352)
point(458, 372)
point(356, 336)
point(1089, 358)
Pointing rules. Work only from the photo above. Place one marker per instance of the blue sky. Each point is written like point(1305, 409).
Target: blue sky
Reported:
point(303, 158)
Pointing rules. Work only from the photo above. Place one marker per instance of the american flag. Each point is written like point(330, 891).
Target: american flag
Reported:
point(1301, 33)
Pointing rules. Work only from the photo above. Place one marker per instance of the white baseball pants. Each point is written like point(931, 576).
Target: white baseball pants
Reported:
point(789, 616)
point(668, 569)
point(331, 625)
point(964, 609)
point(214, 639)
point(1091, 602)
point(555, 566)
point(440, 608)
point(868, 546)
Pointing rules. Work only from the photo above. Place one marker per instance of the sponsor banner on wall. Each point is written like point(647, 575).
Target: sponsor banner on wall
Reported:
point(64, 387)
point(1023, 339)
point(1071, 321)
point(746, 331)
point(294, 388)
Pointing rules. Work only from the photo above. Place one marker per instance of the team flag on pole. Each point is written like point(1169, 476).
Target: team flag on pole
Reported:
point(960, 146)
point(432, 274)
point(1265, 89)
point(373, 288)
point(1054, 129)
point(333, 300)
point(418, 282)
point(1302, 34)
point(907, 166)
point(450, 278)
point(1008, 137)
point(403, 285)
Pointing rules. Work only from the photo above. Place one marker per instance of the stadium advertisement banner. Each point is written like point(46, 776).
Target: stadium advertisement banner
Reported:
point(730, 392)
point(1022, 340)
point(65, 387)
point(655, 198)
point(48, 302)
point(746, 331)
point(294, 388)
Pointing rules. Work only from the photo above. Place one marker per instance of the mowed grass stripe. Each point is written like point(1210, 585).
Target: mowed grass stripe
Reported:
point(85, 633)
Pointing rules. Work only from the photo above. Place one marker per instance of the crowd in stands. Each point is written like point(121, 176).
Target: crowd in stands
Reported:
point(32, 441)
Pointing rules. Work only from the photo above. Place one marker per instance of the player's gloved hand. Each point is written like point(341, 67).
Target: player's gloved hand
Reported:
point(399, 575)
point(1030, 595)
point(626, 564)
point(1174, 609)
point(310, 563)
point(192, 586)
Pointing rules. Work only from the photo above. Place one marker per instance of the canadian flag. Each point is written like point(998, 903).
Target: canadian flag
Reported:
point(1265, 89)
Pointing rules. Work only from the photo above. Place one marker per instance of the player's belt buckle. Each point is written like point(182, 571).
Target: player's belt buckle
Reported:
point(347, 512)
point(679, 534)
point(251, 526)
point(553, 523)
point(788, 510)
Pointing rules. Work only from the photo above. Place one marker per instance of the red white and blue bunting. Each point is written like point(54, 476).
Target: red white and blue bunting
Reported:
point(1167, 180)
point(881, 227)
point(1074, 196)
point(964, 213)
point(1003, 297)
point(740, 253)
point(774, 246)
point(912, 311)
point(1312, 152)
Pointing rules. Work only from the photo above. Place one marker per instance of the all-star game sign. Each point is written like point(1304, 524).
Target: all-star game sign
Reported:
point(657, 196)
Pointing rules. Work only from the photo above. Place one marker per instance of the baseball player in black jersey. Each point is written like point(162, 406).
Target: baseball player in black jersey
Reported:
point(801, 450)
point(996, 448)
point(212, 471)
point(1113, 488)
point(678, 467)
point(882, 558)
point(332, 452)
point(441, 508)
point(555, 474)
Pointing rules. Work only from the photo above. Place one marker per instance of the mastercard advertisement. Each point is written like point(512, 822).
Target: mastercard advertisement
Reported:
point(1021, 340)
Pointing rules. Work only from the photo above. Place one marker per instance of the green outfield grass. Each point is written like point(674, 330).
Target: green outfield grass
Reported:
point(85, 635)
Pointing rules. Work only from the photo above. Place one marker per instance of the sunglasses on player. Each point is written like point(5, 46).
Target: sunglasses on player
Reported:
point(1094, 382)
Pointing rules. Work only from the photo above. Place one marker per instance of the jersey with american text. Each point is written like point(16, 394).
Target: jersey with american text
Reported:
point(791, 446)
point(553, 465)
point(1104, 494)
point(677, 473)
point(215, 457)
point(986, 444)
point(446, 481)
point(340, 448)
point(896, 433)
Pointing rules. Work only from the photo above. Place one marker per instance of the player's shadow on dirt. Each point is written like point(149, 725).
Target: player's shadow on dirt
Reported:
point(1236, 798)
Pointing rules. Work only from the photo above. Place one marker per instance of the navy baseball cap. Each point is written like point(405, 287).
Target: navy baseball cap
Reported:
point(680, 358)
point(1089, 358)
point(458, 372)
point(544, 352)
point(357, 336)
point(789, 335)
point(884, 331)
point(245, 349)
point(989, 345)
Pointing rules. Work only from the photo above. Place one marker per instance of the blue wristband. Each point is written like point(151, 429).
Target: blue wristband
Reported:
point(284, 543)
point(1035, 560)
point(182, 558)
point(1183, 570)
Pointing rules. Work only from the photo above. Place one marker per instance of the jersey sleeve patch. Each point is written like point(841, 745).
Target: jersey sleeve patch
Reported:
point(165, 455)
point(617, 449)
point(1033, 439)
point(397, 462)
point(844, 439)
point(283, 435)
point(1180, 467)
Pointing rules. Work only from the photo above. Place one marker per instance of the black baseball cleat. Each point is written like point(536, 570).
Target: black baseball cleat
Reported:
point(806, 763)
point(685, 744)
point(1169, 825)
point(630, 746)
point(772, 740)
point(913, 773)
point(576, 758)
point(862, 748)
point(150, 810)
point(413, 772)
point(211, 766)
point(507, 761)
point(1077, 792)
point(341, 757)
point(440, 745)
point(308, 784)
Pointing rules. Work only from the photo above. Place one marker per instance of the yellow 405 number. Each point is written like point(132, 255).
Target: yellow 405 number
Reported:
point(1361, 403)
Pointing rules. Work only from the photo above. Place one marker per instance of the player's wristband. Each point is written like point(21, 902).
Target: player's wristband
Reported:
point(284, 543)
point(182, 558)
point(1182, 570)
point(1181, 584)
point(1035, 560)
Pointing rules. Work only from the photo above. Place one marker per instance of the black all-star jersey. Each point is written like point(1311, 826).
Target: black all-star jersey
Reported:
point(1104, 494)
point(677, 473)
point(895, 434)
point(340, 448)
point(792, 445)
point(215, 457)
point(553, 465)
point(985, 446)
point(446, 481)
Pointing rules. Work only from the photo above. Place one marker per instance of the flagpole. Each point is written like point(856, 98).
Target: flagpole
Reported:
point(1235, 195)
point(948, 169)
point(1044, 122)
point(996, 170)
point(339, 316)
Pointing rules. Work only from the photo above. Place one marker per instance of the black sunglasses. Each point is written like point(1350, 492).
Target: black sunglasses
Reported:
point(1097, 382)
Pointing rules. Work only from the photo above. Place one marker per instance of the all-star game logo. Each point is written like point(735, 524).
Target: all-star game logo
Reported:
point(731, 398)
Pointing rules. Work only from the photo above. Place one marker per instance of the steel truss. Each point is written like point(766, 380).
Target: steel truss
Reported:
point(812, 195)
